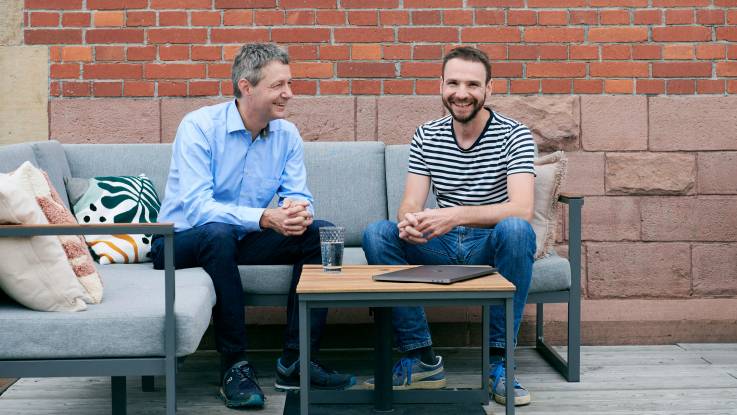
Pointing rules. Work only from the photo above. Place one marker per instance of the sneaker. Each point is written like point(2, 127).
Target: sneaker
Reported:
point(498, 386)
point(239, 388)
point(287, 378)
point(412, 373)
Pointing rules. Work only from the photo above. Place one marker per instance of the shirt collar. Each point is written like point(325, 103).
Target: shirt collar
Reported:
point(235, 122)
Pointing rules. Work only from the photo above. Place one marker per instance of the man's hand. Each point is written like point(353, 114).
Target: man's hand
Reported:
point(291, 219)
point(408, 231)
point(435, 222)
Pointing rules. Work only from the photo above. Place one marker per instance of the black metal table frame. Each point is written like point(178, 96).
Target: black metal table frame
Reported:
point(383, 396)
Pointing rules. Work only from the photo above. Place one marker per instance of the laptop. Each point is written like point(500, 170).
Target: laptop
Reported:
point(436, 274)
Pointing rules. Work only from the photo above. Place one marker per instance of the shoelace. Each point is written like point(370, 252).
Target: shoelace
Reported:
point(248, 372)
point(403, 365)
point(500, 372)
point(321, 367)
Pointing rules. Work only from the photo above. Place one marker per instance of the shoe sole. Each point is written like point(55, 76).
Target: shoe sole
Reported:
point(428, 384)
point(254, 401)
point(287, 388)
point(518, 400)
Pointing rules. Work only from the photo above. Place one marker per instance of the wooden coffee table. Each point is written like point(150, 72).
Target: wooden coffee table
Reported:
point(354, 287)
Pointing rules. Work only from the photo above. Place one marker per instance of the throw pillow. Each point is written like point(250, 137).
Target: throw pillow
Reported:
point(45, 273)
point(116, 199)
point(550, 172)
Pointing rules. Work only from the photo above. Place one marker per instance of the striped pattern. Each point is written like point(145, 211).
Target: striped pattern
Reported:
point(477, 176)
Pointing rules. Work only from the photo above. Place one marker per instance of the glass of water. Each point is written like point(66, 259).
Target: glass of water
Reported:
point(331, 247)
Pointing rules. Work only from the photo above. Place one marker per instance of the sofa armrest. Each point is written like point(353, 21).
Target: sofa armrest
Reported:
point(166, 229)
point(575, 203)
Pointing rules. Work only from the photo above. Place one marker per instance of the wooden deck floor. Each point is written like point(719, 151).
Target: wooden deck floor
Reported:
point(677, 379)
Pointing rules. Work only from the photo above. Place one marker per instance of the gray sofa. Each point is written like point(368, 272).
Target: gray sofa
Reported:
point(354, 184)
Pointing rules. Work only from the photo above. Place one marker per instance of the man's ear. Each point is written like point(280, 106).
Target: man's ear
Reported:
point(489, 86)
point(245, 87)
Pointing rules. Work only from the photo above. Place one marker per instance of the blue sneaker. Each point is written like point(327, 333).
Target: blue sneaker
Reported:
point(287, 378)
point(498, 386)
point(239, 388)
point(412, 373)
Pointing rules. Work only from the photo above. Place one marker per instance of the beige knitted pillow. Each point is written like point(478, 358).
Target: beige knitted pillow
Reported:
point(550, 172)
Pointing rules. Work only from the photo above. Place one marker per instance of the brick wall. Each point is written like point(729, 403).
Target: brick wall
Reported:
point(637, 92)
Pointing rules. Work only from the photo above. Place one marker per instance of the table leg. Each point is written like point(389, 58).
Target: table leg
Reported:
point(509, 352)
point(485, 349)
point(382, 371)
point(304, 358)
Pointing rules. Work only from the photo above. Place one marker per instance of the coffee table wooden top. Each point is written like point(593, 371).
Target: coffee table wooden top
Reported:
point(357, 279)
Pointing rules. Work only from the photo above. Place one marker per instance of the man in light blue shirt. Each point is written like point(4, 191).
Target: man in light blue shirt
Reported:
point(228, 162)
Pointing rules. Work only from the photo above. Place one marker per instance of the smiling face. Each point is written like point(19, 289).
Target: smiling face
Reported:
point(464, 89)
point(268, 98)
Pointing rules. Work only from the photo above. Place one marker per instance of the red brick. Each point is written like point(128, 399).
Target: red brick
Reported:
point(141, 53)
point(174, 71)
point(680, 3)
point(181, 4)
point(366, 52)
point(112, 71)
point(618, 3)
point(619, 86)
point(398, 87)
point(393, 17)
point(583, 17)
point(587, 86)
point(710, 86)
point(312, 70)
point(302, 52)
point(425, 17)
point(584, 52)
point(616, 52)
point(239, 35)
point(646, 52)
point(140, 18)
point(556, 70)
point(556, 86)
point(54, 88)
point(365, 70)
point(710, 17)
point(205, 19)
point(304, 87)
point(370, 4)
point(523, 52)
point(53, 4)
point(308, 4)
point(363, 17)
point(397, 51)
point(245, 4)
point(206, 53)
point(524, 86)
point(109, 53)
point(114, 36)
point(260, 17)
point(64, 71)
point(725, 3)
point(76, 53)
point(334, 52)
point(556, 3)
point(427, 52)
point(330, 18)
point(107, 89)
point(457, 17)
point(681, 34)
point(219, 70)
point(427, 87)
point(552, 18)
point(681, 69)
point(174, 52)
point(680, 86)
point(421, 70)
point(500, 86)
point(553, 52)
point(116, 4)
point(732, 86)
point(73, 19)
point(44, 19)
point(109, 18)
point(553, 35)
point(55, 53)
point(172, 89)
point(727, 33)
point(491, 34)
point(514, 17)
point(490, 17)
point(139, 88)
point(679, 16)
point(619, 69)
point(650, 86)
point(732, 17)
point(727, 69)
point(429, 34)
point(678, 52)
point(300, 17)
point(495, 52)
point(349, 35)
point(732, 52)
point(618, 34)
point(307, 35)
point(173, 18)
point(432, 4)
point(75, 89)
point(496, 3)
point(613, 17)
point(246, 17)
point(204, 88)
point(52, 36)
point(341, 87)
point(648, 16)
point(365, 87)
point(710, 51)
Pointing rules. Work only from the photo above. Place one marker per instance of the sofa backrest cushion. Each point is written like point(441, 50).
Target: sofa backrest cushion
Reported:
point(51, 159)
point(13, 155)
point(397, 159)
point(348, 183)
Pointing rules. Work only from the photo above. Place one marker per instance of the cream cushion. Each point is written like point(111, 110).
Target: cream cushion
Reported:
point(550, 171)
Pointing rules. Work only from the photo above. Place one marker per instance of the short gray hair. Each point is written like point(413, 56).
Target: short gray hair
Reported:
point(251, 59)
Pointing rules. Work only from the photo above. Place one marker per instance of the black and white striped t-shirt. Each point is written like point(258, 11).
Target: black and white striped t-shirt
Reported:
point(477, 176)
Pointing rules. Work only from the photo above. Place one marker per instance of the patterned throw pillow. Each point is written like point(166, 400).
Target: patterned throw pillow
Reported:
point(116, 199)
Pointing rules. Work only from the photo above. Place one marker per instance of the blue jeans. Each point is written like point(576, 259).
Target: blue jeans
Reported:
point(216, 248)
point(509, 246)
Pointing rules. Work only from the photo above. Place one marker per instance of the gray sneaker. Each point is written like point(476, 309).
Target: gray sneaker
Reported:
point(412, 373)
point(498, 386)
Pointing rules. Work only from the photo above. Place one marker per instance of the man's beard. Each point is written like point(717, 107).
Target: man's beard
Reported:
point(477, 106)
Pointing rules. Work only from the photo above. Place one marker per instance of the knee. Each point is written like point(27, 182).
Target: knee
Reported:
point(379, 232)
point(222, 235)
point(513, 231)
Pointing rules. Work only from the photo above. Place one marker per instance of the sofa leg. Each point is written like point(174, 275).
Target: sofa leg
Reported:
point(147, 384)
point(118, 395)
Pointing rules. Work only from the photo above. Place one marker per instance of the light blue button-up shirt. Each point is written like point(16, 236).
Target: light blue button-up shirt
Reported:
point(219, 174)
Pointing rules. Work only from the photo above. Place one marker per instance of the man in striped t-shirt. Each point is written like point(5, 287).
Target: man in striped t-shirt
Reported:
point(478, 164)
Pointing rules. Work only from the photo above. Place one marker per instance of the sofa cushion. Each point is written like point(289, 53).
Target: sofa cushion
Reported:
point(13, 155)
point(347, 182)
point(52, 159)
point(550, 273)
point(129, 323)
point(397, 158)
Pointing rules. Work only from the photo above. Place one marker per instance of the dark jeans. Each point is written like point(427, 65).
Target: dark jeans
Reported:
point(216, 248)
